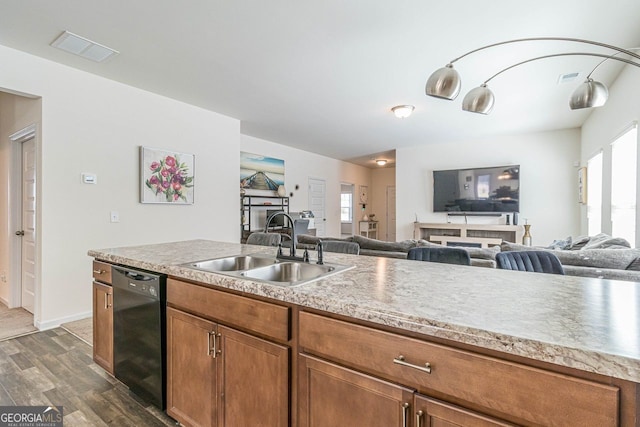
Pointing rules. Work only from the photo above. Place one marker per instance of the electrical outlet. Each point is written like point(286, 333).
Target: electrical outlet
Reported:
point(115, 216)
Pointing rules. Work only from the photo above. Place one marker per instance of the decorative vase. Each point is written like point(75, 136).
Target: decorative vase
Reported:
point(526, 238)
point(282, 191)
point(365, 217)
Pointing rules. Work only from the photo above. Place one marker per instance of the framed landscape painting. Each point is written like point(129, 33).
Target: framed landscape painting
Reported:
point(261, 174)
point(166, 176)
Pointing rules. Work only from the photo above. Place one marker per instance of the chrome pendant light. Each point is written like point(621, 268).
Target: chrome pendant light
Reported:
point(589, 94)
point(444, 83)
point(479, 100)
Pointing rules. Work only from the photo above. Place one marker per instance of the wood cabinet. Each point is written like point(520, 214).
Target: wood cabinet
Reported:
point(218, 375)
point(434, 413)
point(102, 316)
point(191, 369)
point(331, 395)
point(497, 388)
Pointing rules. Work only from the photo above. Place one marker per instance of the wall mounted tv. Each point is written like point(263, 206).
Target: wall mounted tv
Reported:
point(482, 190)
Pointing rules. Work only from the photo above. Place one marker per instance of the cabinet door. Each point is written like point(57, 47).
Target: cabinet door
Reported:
point(103, 326)
point(434, 413)
point(191, 369)
point(331, 395)
point(254, 381)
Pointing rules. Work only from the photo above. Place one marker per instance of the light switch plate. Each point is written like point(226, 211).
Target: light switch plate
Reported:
point(115, 216)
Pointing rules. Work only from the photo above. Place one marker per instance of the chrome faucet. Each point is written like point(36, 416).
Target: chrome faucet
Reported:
point(294, 238)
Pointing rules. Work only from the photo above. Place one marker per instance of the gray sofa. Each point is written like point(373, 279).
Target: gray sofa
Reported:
point(598, 256)
point(372, 247)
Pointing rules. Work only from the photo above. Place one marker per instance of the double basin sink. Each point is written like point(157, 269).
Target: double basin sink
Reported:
point(269, 269)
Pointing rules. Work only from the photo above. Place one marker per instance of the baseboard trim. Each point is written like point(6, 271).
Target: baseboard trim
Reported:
point(50, 324)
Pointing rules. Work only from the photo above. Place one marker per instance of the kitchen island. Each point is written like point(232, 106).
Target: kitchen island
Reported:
point(513, 324)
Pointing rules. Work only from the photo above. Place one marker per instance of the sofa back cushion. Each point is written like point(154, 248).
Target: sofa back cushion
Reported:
point(618, 259)
point(379, 245)
point(474, 252)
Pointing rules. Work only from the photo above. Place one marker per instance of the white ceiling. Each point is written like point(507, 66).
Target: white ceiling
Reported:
point(322, 75)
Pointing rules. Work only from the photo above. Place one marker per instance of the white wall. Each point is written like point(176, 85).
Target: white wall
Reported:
point(91, 124)
point(381, 179)
point(302, 165)
point(601, 129)
point(548, 179)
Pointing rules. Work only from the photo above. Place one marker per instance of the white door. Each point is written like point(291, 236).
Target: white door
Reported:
point(317, 190)
point(28, 224)
point(391, 213)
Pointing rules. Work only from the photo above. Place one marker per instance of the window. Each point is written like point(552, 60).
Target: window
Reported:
point(594, 194)
point(623, 185)
point(482, 186)
point(346, 207)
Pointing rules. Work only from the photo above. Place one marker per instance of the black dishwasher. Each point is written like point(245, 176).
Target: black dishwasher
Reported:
point(139, 302)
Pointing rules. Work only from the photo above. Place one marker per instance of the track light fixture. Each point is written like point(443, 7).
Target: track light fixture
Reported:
point(445, 82)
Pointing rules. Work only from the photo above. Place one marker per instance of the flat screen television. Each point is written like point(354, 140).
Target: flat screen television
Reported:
point(488, 190)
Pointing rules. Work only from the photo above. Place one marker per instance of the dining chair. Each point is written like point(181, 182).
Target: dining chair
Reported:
point(264, 239)
point(532, 261)
point(443, 255)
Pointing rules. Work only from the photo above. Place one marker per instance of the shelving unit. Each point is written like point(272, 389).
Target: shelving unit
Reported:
point(369, 229)
point(481, 235)
point(249, 203)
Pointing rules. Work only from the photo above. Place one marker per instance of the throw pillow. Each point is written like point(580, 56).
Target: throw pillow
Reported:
point(560, 244)
point(604, 241)
point(579, 242)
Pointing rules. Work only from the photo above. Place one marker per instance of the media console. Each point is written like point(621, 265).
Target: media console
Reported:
point(482, 235)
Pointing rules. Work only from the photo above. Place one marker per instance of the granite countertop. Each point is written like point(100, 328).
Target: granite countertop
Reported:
point(583, 323)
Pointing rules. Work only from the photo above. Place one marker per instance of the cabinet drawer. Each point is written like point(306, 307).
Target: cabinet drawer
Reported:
point(259, 317)
point(102, 272)
point(529, 394)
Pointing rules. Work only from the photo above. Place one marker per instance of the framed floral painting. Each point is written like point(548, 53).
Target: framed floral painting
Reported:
point(166, 176)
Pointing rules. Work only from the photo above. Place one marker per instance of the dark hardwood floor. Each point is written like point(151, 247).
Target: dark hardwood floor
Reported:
point(56, 368)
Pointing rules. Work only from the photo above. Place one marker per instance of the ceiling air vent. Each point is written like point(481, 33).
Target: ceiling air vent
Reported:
point(85, 48)
point(568, 78)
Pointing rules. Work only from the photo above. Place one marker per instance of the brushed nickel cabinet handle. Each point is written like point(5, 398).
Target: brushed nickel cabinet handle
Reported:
point(106, 303)
point(99, 271)
point(419, 418)
point(405, 412)
point(400, 361)
point(211, 348)
point(109, 300)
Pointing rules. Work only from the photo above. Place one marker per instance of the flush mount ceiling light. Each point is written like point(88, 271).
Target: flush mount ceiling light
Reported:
point(445, 82)
point(381, 162)
point(402, 111)
point(83, 47)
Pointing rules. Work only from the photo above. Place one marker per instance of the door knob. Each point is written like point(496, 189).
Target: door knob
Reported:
point(20, 233)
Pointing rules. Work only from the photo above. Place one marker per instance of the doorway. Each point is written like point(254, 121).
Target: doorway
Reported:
point(23, 220)
point(346, 209)
point(317, 194)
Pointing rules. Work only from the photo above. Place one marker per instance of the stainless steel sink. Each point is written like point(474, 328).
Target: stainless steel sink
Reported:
point(265, 268)
point(232, 263)
point(289, 272)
